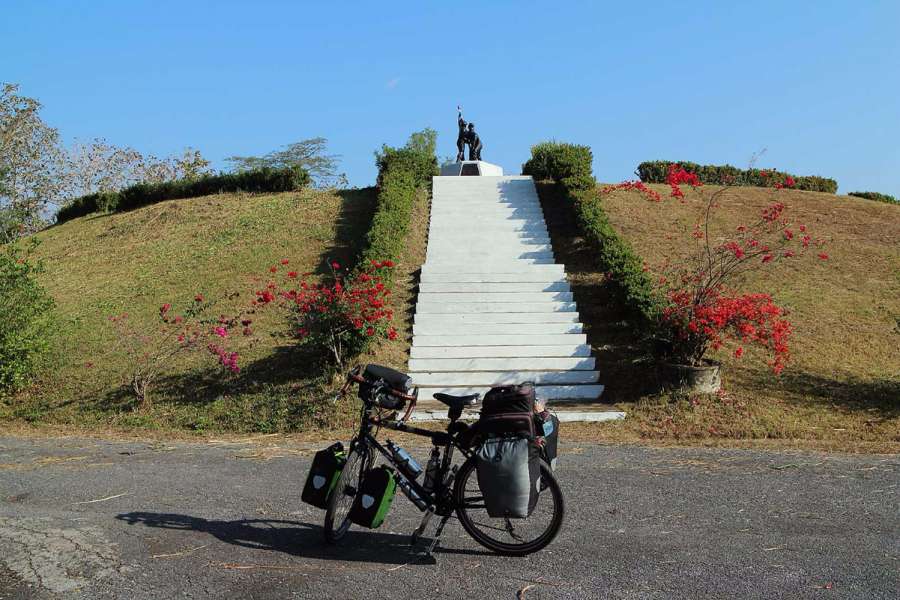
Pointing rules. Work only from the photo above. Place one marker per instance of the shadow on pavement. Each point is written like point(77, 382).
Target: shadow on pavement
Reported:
point(296, 538)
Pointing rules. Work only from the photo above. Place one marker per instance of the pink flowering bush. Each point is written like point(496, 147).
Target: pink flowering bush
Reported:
point(152, 350)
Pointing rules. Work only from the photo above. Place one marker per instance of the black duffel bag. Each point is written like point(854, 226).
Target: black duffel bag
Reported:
point(508, 410)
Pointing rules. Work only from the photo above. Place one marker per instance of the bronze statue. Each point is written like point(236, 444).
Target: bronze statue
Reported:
point(474, 143)
point(461, 138)
point(468, 136)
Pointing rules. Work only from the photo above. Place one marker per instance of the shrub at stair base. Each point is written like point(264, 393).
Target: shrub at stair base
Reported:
point(25, 324)
point(153, 351)
point(704, 311)
point(402, 172)
point(143, 194)
point(569, 166)
point(338, 319)
point(657, 171)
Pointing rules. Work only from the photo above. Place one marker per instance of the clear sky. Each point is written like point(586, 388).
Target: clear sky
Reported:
point(817, 84)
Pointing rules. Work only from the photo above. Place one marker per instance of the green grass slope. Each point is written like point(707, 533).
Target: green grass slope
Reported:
point(102, 265)
point(842, 387)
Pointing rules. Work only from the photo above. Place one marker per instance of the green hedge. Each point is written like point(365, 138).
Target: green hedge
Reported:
point(143, 194)
point(401, 173)
point(655, 171)
point(878, 197)
point(569, 166)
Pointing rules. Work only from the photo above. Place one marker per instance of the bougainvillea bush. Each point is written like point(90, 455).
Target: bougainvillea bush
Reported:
point(336, 319)
point(704, 309)
point(152, 351)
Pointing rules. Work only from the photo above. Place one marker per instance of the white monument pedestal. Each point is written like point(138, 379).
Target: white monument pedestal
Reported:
point(471, 167)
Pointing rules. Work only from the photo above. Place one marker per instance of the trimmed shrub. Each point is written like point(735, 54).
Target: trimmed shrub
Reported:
point(569, 166)
point(878, 197)
point(401, 173)
point(656, 171)
point(26, 322)
point(144, 194)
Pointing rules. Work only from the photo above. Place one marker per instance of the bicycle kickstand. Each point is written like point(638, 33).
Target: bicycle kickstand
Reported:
point(414, 539)
point(437, 536)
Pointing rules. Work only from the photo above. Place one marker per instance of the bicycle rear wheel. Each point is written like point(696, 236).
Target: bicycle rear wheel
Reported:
point(337, 516)
point(512, 537)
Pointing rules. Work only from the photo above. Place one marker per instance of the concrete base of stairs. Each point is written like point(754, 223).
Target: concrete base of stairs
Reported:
point(565, 416)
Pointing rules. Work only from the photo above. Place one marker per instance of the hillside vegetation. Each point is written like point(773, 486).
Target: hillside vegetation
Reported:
point(842, 387)
point(106, 264)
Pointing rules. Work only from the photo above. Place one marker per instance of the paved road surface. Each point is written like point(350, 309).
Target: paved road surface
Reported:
point(89, 519)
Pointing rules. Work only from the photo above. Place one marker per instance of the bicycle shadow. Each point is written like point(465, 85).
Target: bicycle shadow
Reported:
point(298, 539)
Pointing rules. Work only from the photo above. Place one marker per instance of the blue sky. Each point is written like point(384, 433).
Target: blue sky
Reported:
point(816, 84)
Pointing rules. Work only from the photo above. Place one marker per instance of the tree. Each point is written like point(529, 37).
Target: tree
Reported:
point(309, 154)
point(191, 164)
point(30, 158)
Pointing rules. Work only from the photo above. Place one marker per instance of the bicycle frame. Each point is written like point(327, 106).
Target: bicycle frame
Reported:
point(435, 499)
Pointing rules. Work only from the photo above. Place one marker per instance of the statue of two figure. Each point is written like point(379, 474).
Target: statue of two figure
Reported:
point(468, 136)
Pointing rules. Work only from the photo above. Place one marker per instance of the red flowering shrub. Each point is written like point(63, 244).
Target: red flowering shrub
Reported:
point(638, 186)
point(704, 311)
point(152, 350)
point(341, 317)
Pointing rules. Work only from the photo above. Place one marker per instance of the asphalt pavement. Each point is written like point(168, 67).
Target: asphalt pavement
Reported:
point(82, 518)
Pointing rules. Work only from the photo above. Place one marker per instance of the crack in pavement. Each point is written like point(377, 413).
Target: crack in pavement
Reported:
point(58, 559)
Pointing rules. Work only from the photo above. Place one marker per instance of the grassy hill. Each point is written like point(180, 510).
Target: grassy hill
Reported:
point(102, 265)
point(842, 388)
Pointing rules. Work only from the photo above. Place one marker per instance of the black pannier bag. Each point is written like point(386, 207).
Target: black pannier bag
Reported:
point(377, 377)
point(323, 475)
point(547, 429)
point(508, 410)
point(509, 476)
point(374, 497)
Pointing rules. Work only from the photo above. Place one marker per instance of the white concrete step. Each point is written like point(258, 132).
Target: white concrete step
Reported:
point(561, 350)
point(487, 307)
point(426, 298)
point(484, 227)
point(482, 246)
point(483, 255)
point(487, 241)
point(512, 286)
point(543, 392)
point(494, 378)
point(487, 266)
point(499, 214)
point(530, 276)
point(505, 339)
point(513, 237)
point(495, 328)
point(483, 318)
point(496, 364)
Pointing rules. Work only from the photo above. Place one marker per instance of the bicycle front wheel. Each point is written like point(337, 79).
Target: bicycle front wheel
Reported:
point(512, 537)
point(337, 515)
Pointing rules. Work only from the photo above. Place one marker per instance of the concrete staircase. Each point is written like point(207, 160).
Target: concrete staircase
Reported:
point(493, 306)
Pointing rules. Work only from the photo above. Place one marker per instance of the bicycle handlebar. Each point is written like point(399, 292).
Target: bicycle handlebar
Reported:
point(411, 399)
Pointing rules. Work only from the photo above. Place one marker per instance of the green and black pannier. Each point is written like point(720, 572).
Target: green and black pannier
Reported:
point(373, 500)
point(323, 475)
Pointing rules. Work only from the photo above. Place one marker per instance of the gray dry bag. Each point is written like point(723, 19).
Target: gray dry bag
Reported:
point(509, 476)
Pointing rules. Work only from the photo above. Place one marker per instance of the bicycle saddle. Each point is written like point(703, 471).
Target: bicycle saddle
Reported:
point(458, 402)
